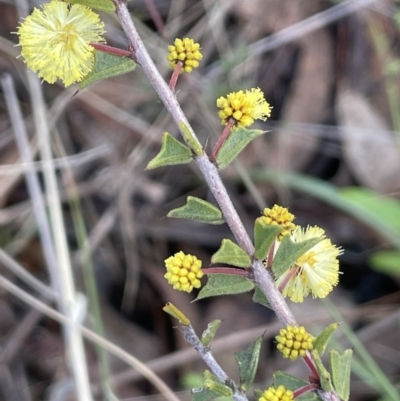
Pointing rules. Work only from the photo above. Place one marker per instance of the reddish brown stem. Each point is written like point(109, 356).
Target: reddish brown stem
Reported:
point(221, 140)
point(311, 366)
point(112, 50)
point(270, 257)
point(288, 276)
point(305, 389)
point(226, 270)
point(175, 75)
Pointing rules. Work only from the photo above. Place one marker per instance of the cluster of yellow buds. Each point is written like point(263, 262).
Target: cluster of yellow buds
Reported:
point(277, 394)
point(279, 216)
point(185, 51)
point(183, 272)
point(294, 341)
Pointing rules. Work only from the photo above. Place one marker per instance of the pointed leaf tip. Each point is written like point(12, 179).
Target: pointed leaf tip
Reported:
point(172, 152)
point(231, 254)
point(224, 284)
point(106, 66)
point(199, 210)
point(236, 142)
point(248, 363)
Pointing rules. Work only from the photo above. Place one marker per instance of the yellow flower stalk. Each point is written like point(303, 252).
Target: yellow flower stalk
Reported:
point(277, 394)
point(183, 272)
point(55, 41)
point(186, 52)
point(279, 216)
point(294, 341)
point(243, 107)
point(317, 271)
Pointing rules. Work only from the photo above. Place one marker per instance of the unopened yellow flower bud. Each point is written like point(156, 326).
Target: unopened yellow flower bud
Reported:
point(185, 51)
point(279, 216)
point(294, 341)
point(276, 394)
point(183, 272)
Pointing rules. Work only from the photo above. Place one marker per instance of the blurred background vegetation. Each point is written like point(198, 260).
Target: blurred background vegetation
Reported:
point(331, 154)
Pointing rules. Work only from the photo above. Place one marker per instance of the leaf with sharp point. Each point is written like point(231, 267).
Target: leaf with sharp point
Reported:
point(289, 252)
point(264, 237)
point(324, 375)
point(199, 210)
point(236, 142)
point(106, 66)
point(340, 367)
point(248, 363)
point(231, 254)
point(172, 152)
point(322, 340)
point(209, 333)
point(225, 284)
point(213, 388)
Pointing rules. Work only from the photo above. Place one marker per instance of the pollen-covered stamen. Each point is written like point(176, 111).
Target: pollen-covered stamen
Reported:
point(56, 41)
point(243, 107)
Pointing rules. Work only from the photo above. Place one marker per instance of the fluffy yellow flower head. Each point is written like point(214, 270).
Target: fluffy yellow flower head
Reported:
point(279, 216)
point(183, 272)
point(317, 271)
point(276, 394)
point(294, 341)
point(243, 107)
point(56, 41)
point(187, 52)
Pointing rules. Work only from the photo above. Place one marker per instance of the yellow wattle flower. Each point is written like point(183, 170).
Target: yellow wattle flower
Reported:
point(277, 394)
point(294, 341)
point(317, 271)
point(55, 41)
point(185, 51)
point(243, 107)
point(183, 272)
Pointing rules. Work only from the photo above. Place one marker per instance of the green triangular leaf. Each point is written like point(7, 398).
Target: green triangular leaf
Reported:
point(264, 236)
point(293, 383)
point(172, 152)
point(235, 143)
point(106, 66)
point(199, 210)
point(322, 340)
point(340, 367)
point(289, 252)
point(248, 363)
point(324, 375)
point(231, 254)
point(260, 298)
point(204, 394)
point(212, 389)
point(101, 5)
point(209, 332)
point(225, 284)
